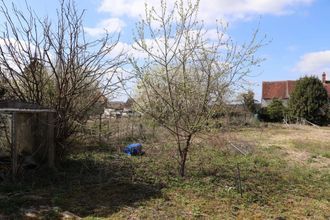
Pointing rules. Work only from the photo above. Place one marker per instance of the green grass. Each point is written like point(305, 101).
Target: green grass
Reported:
point(312, 146)
point(103, 184)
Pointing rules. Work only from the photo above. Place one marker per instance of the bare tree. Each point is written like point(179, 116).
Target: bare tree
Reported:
point(51, 63)
point(184, 75)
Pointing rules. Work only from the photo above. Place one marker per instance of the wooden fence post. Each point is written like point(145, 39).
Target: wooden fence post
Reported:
point(14, 154)
point(50, 139)
point(100, 128)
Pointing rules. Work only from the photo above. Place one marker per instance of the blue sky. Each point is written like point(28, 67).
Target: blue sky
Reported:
point(299, 30)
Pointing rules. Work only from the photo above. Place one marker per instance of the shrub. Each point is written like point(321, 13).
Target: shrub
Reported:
point(276, 111)
point(309, 100)
point(263, 114)
point(249, 102)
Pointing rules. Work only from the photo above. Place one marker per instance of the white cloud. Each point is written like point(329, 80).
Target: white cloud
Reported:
point(120, 48)
point(209, 9)
point(110, 25)
point(314, 63)
point(157, 48)
point(128, 49)
point(243, 9)
point(132, 8)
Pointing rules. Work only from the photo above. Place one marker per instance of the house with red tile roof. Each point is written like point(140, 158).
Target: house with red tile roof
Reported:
point(326, 83)
point(282, 89)
point(120, 109)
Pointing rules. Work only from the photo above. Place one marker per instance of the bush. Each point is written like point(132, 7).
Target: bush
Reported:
point(309, 100)
point(276, 111)
point(263, 114)
point(273, 113)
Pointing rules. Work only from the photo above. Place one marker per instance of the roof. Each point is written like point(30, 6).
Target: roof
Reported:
point(18, 106)
point(118, 105)
point(327, 87)
point(277, 89)
point(25, 110)
point(283, 89)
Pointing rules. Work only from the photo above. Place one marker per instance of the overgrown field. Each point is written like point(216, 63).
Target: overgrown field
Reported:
point(285, 175)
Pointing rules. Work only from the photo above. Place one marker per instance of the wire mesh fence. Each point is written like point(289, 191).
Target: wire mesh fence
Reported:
point(115, 132)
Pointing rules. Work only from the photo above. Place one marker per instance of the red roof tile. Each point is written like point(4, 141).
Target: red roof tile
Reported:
point(282, 89)
point(327, 87)
point(277, 89)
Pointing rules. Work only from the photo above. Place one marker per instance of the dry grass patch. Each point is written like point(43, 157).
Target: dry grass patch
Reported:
point(281, 177)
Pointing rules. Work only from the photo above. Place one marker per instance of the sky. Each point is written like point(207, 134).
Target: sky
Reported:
point(298, 30)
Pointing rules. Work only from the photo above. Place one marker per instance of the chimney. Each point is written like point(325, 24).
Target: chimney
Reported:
point(324, 78)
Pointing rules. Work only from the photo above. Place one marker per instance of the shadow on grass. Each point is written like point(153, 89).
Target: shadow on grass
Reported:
point(87, 184)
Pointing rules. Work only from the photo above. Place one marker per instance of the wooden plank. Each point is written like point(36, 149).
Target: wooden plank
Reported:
point(14, 154)
point(310, 123)
point(238, 149)
point(51, 140)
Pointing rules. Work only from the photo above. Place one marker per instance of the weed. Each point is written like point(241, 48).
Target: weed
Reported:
point(100, 183)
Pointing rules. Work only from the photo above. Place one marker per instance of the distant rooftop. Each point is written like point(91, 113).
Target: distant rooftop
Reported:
point(277, 89)
point(283, 89)
point(119, 105)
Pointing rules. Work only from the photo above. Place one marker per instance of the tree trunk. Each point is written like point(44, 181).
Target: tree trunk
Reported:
point(183, 156)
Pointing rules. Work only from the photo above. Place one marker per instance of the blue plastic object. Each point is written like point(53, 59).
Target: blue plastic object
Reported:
point(134, 149)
